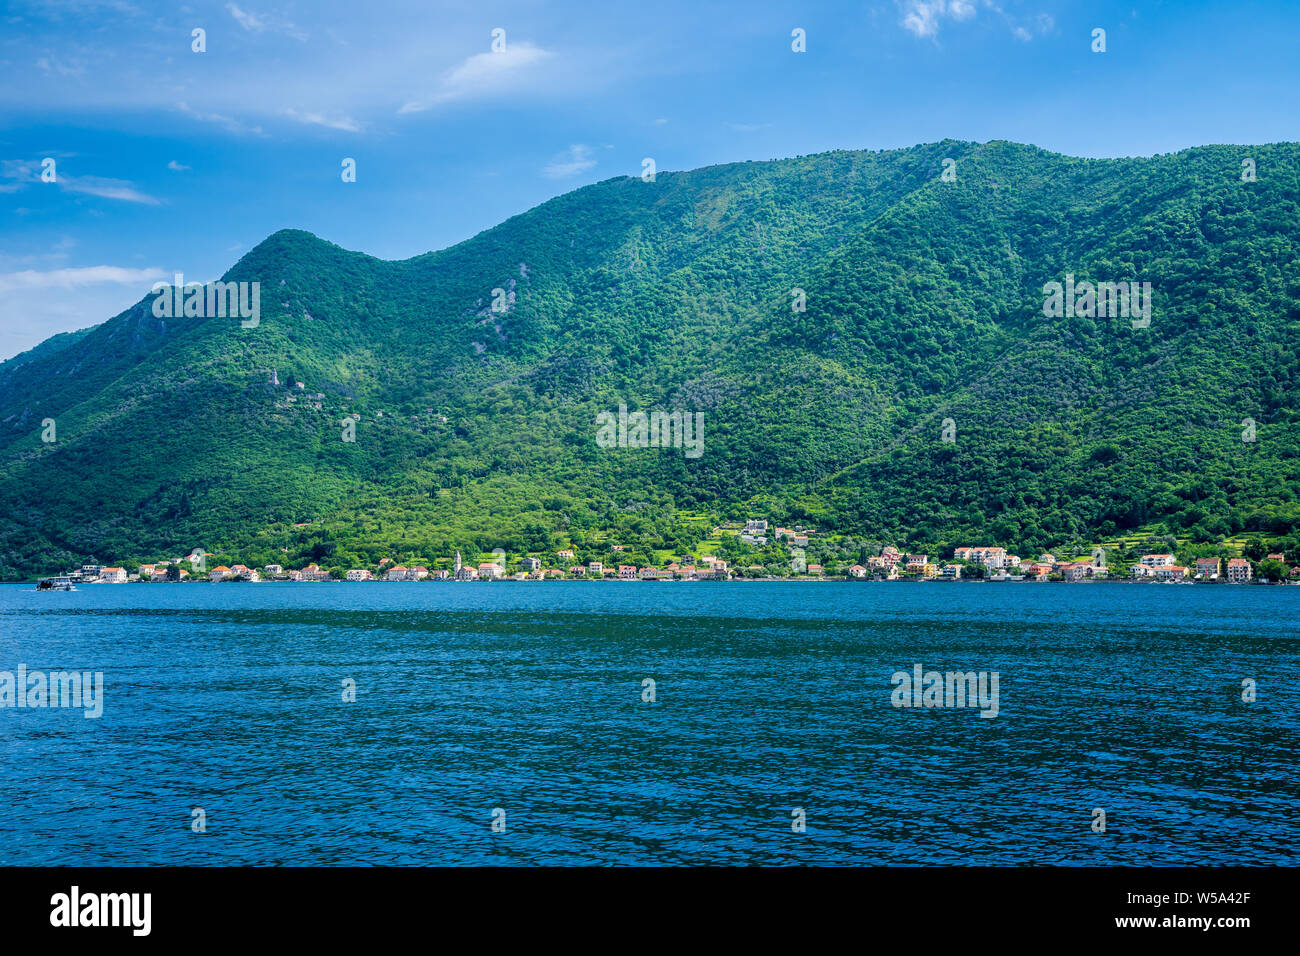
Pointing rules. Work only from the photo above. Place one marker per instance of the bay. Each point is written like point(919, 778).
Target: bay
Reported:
point(769, 698)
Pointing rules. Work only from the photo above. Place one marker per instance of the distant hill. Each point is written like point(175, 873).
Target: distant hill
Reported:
point(924, 303)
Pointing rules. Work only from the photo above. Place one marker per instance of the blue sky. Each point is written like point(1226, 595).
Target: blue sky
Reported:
point(169, 160)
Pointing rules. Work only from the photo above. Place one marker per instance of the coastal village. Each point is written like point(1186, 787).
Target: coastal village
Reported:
point(966, 563)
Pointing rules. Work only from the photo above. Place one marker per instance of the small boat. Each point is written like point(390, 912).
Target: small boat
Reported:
point(55, 584)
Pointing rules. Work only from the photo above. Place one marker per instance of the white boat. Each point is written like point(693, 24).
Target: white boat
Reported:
point(55, 584)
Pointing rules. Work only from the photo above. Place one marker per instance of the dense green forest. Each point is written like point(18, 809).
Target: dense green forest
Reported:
point(921, 397)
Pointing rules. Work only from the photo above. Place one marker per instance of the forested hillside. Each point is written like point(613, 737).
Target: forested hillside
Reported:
point(924, 319)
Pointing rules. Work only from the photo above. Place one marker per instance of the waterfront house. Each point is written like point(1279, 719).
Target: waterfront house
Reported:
point(916, 562)
point(219, 573)
point(1077, 571)
point(596, 567)
point(577, 569)
point(439, 574)
point(1143, 571)
point(1157, 560)
point(491, 572)
point(1037, 571)
point(359, 574)
point(857, 571)
point(417, 573)
point(1171, 572)
point(650, 574)
point(989, 557)
point(273, 569)
point(815, 570)
point(627, 572)
point(950, 572)
point(1208, 569)
point(1239, 570)
point(530, 564)
point(466, 574)
point(396, 573)
point(315, 573)
point(113, 575)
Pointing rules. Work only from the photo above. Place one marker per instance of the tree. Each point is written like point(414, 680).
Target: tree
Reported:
point(1270, 570)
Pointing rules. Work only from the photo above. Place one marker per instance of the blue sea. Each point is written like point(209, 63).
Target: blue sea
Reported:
point(522, 704)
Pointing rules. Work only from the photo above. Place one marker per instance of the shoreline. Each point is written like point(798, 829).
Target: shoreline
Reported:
point(735, 580)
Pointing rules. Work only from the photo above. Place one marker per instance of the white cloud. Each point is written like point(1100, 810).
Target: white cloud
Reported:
point(52, 65)
point(923, 17)
point(260, 23)
point(229, 123)
point(177, 167)
point(484, 75)
point(106, 189)
point(250, 22)
point(576, 160)
point(345, 123)
point(22, 173)
point(75, 278)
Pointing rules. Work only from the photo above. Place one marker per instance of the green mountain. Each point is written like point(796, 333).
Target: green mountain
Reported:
point(924, 303)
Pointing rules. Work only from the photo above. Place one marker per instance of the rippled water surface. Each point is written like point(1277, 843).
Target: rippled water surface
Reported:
point(770, 697)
